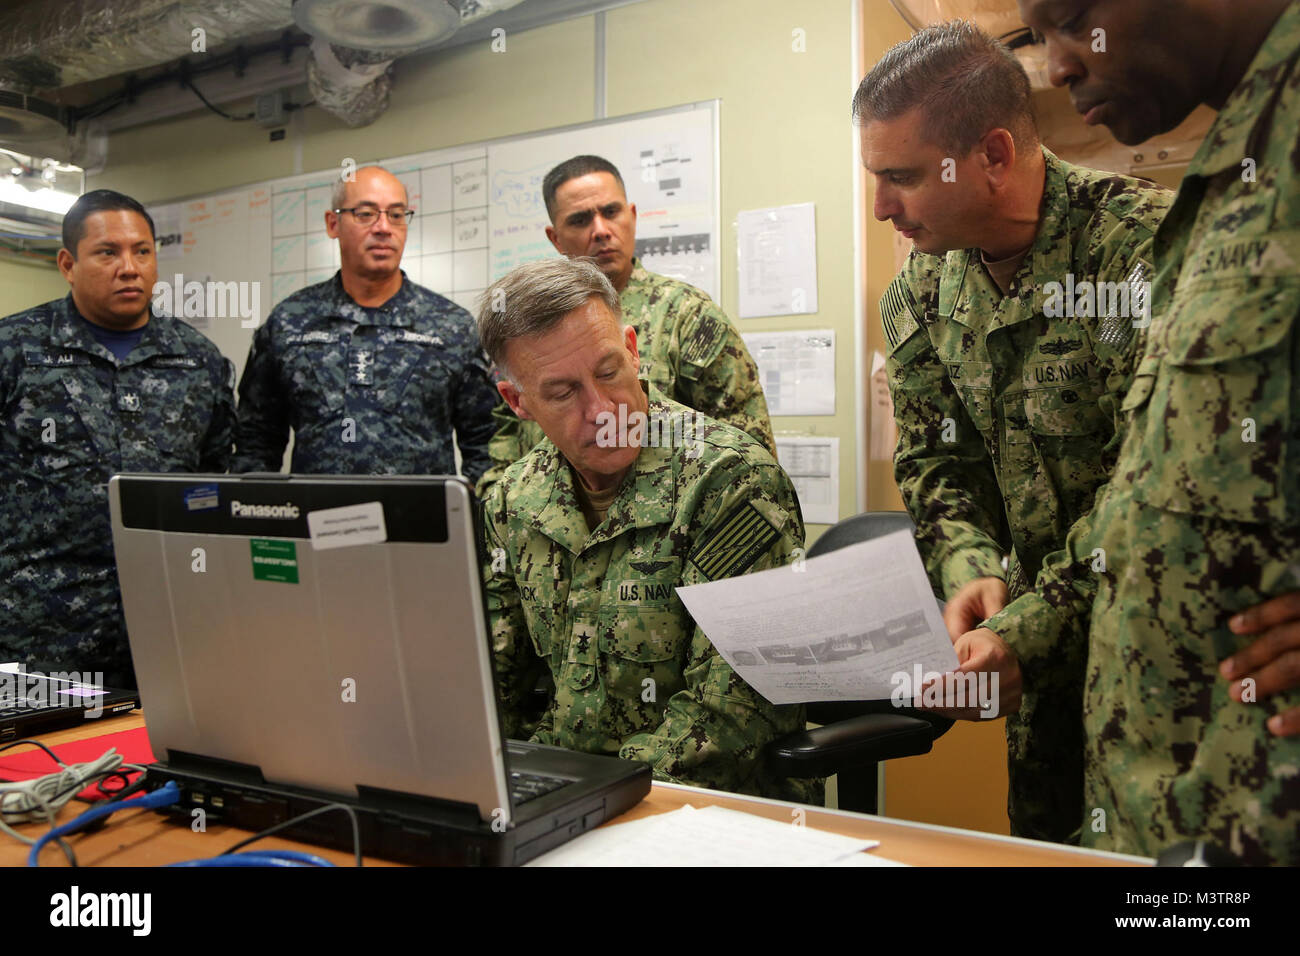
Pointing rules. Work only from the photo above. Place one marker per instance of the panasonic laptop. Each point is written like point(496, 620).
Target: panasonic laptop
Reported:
point(303, 641)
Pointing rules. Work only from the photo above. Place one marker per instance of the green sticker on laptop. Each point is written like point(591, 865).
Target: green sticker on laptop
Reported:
point(274, 560)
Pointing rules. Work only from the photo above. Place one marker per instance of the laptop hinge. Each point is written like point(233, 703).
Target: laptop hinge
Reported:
point(227, 770)
point(453, 812)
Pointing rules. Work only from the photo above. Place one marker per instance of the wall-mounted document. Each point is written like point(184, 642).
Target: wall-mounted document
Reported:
point(859, 623)
point(884, 430)
point(797, 370)
point(777, 260)
point(813, 465)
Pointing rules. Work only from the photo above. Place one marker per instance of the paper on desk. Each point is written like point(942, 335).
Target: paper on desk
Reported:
point(842, 628)
point(712, 836)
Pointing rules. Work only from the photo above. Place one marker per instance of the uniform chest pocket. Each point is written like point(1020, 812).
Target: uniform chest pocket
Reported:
point(408, 373)
point(1216, 430)
point(314, 374)
point(1139, 390)
point(641, 643)
point(974, 384)
point(54, 410)
point(979, 405)
point(180, 399)
point(541, 620)
point(1066, 411)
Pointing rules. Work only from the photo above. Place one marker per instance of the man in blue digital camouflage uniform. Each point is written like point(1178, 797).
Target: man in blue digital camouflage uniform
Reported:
point(90, 385)
point(371, 371)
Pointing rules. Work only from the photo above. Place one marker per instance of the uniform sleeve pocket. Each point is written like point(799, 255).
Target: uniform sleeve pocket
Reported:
point(1139, 390)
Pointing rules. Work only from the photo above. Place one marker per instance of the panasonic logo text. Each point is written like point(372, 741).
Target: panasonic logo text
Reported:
point(284, 512)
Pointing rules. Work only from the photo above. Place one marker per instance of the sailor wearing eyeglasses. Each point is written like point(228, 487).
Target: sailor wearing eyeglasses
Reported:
point(373, 373)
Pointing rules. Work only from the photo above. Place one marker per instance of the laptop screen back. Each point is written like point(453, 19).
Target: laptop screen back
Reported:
point(328, 630)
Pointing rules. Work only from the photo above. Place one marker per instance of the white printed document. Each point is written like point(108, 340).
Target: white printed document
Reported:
point(776, 257)
point(859, 623)
point(796, 370)
point(712, 836)
point(813, 465)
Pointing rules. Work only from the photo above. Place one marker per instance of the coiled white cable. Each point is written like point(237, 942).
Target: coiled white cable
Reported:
point(40, 799)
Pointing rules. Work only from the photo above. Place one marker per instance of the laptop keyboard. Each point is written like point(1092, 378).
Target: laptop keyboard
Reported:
point(529, 786)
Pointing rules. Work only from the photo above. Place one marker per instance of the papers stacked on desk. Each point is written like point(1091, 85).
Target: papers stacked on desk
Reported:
point(713, 836)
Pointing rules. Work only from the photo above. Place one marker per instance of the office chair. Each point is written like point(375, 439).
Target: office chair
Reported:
point(856, 735)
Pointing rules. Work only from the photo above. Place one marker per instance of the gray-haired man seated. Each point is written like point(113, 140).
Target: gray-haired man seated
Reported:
point(589, 534)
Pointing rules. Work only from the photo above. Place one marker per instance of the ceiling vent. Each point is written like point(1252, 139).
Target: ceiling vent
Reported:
point(380, 25)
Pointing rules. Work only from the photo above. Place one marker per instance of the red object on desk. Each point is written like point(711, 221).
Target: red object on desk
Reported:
point(133, 745)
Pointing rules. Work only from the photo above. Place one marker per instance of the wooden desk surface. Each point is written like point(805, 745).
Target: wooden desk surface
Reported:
point(144, 838)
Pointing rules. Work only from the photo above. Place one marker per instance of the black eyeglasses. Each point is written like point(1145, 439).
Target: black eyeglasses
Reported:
point(366, 215)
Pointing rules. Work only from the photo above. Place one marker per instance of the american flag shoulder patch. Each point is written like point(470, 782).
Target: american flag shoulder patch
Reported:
point(1116, 330)
point(897, 315)
point(705, 341)
point(742, 537)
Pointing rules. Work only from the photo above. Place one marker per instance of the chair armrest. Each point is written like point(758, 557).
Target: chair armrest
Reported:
point(851, 743)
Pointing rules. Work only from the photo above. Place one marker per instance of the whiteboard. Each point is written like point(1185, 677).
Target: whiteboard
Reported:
point(479, 213)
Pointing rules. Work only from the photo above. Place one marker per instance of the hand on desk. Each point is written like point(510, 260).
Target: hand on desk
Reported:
point(975, 601)
point(1272, 661)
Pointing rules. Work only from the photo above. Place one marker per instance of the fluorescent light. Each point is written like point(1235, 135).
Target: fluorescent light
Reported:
point(50, 200)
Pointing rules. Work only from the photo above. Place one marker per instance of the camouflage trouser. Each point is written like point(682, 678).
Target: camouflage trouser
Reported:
point(1045, 763)
point(1045, 751)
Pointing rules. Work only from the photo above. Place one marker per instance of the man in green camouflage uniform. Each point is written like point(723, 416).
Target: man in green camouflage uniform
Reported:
point(1007, 412)
point(589, 535)
point(1201, 518)
point(689, 348)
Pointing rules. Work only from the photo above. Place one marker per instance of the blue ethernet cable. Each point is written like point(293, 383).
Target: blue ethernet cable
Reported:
point(260, 858)
point(163, 796)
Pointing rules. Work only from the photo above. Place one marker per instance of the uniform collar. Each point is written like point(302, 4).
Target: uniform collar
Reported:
point(160, 336)
point(395, 311)
point(1048, 255)
point(1244, 115)
point(639, 274)
point(646, 497)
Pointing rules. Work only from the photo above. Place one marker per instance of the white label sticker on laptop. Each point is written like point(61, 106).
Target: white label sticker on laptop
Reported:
point(344, 527)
